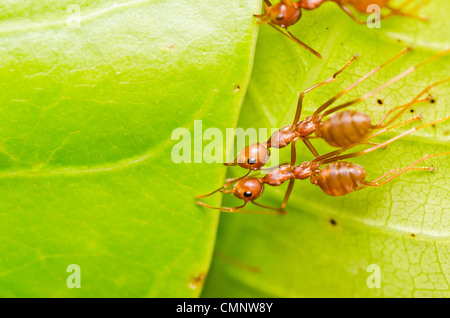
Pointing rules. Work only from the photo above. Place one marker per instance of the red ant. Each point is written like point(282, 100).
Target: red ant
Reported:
point(344, 129)
point(287, 12)
point(337, 178)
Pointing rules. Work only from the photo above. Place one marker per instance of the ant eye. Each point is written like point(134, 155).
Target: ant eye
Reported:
point(280, 17)
point(251, 161)
point(247, 194)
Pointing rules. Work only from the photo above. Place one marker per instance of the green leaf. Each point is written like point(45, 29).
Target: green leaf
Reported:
point(324, 246)
point(86, 117)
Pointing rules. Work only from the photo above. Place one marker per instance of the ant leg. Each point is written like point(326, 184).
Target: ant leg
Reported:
point(404, 14)
point(400, 12)
point(288, 194)
point(236, 209)
point(350, 13)
point(263, 18)
point(381, 145)
point(303, 44)
point(369, 143)
point(278, 211)
point(385, 85)
point(292, 181)
point(398, 172)
point(223, 209)
point(310, 147)
point(294, 152)
point(293, 38)
point(329, 80)
point(418, 6)
point(228, 182)
point(226, 185)
point(403, 108)
point(293, 161)
point(230, 210)
point(335, 153)
point(233, 180)
point(383, 130)
point(362, 79)
point(374, 183)
point(364, 141)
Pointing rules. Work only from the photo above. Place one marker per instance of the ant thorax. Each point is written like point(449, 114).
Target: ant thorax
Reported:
point(305, 170)
point(307, 126)
point(282, 137)
point(285, 135)
point(278, 176)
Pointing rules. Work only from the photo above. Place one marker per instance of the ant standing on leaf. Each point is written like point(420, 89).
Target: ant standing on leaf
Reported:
point(342, 130)
point(286, 13)
point(337, 178)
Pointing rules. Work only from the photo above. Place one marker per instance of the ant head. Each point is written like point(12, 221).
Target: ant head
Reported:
point(252, 157)
point(284, 13)
point(248, 189)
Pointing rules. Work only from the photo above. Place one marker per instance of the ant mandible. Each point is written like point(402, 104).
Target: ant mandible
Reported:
point(287, 13)
point(337, 178)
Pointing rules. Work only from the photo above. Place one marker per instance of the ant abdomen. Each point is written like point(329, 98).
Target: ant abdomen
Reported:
point(340, 178)
point(345, 129)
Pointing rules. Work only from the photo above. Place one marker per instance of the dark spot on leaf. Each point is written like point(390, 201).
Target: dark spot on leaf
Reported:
point(237, 89)
point(333, 222)
point(380, 101)
point(412, 110)
point(413, 235)
point(432, 101)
